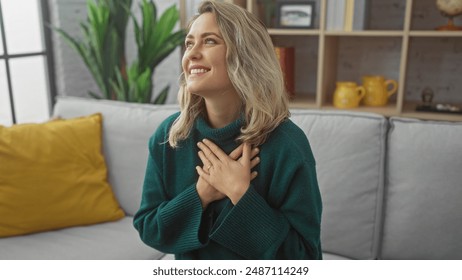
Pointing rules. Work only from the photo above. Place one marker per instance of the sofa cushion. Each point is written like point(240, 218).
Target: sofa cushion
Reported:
point(126, 131)
point(53, 175)
point(349, 150)
point(105, 241)
point(423, 211)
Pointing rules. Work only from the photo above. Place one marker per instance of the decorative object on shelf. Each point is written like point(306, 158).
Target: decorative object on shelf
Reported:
point(295, 14)
point(449, 9)
point(286, 56)
point(348, 95)
point(378, 90)
point(102, 48)
point(428, 106)
point(427, 96)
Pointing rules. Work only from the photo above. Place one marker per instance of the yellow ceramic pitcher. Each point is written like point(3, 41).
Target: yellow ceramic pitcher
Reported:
point(378, 90)
point(348, 95)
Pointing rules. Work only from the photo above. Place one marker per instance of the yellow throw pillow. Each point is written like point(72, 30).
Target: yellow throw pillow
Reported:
point(53, 175)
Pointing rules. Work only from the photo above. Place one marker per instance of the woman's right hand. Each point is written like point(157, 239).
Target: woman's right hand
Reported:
point(207, 193)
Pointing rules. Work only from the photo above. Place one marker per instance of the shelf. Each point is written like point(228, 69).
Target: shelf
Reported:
point(410, 112)
point(434, 33)
point(388, 111)
point(293, 32)
point(303, 101)
point(432, 116)
point(365, 33)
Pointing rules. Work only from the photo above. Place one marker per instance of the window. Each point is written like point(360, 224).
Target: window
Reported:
point(26, 87)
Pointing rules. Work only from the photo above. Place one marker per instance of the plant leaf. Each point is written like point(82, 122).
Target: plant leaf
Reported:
point(162, 97)
point(94, 95)
point(167, 22)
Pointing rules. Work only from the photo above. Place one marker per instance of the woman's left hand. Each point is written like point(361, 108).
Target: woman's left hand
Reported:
point(230, 177)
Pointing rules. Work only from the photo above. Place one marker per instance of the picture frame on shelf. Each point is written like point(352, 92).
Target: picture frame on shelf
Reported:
point(297, 14)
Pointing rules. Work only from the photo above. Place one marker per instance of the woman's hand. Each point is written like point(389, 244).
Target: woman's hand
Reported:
point(207, 193)
point(228, 174)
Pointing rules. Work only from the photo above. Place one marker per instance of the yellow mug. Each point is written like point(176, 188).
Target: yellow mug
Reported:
point(378, 90)
point(348, 95)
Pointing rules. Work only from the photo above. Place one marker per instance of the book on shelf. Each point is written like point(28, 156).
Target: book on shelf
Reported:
point(335, 15)
point(349, 14)
point(346, 15)
point(286, 57)
point(360, 14)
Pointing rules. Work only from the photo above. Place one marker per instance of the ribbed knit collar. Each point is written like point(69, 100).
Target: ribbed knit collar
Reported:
point(224, 134)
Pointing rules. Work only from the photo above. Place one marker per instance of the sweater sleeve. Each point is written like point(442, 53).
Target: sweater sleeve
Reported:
point(255, 230)
point(169, 225)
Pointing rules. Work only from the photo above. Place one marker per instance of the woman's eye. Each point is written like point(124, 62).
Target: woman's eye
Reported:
point(188, 44)
point(209, 41)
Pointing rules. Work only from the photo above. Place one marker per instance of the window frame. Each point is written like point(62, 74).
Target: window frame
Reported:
point(47, 53)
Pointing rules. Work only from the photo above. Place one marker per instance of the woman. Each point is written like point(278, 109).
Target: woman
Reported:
point(230, 176)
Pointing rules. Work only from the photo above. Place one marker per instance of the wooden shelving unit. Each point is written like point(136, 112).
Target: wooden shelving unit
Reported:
point(391, 52)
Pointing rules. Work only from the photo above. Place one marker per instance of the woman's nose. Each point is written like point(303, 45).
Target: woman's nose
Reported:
point(194, 53)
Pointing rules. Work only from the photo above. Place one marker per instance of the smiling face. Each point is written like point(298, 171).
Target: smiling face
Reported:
point(204, 61)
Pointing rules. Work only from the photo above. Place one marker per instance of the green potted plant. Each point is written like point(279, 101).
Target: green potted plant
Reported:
point(102, 48)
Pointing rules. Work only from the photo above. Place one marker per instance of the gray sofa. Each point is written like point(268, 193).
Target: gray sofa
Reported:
point(391, 188)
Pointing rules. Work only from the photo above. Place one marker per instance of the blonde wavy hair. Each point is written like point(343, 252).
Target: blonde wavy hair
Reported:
point(253, 69)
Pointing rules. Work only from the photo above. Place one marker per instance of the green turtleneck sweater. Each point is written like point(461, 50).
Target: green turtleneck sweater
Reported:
point(278, 217)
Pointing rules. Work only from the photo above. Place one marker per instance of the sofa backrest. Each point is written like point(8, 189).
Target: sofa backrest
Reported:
point(423, 208)
point(126, 131)
point(349, 149)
